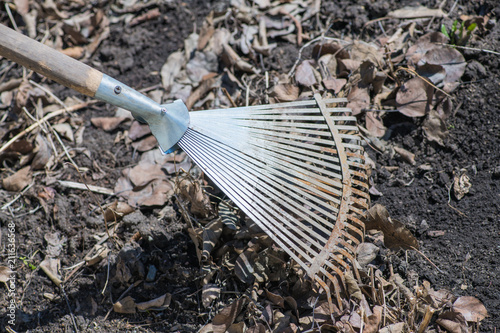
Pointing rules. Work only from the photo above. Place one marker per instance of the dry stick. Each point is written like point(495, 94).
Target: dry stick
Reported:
point(423, 255)
point(471, 48)
point(69, 308)
point(411, 71)
point(47, 117)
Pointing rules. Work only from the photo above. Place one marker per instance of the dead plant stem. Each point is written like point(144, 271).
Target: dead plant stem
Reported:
point(44, 119)
point(423, 255)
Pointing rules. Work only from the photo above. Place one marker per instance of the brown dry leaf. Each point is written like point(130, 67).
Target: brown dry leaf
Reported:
point(143, 173)
point(65, 130)
point(285, 92)
point(366, 253)
point(304, 74)
point(393, 328)
point(193, 192)
point(352, 286)
point(461, 185)
point(138, 130)
point(159, 303)
point(361, 51)
point(107, 123)
point(396, 235)
point(5, 274)
point(172, 67)
point(374, 124)
point(226, 316)
point(147, 16)
point(145, 144)
point(42, 153)
point(116, 211)
point(435, 128)
point(453, 322)
point(244, 266)
point(411, 12)
point(75, 52)
point(411, 98)
point(368, 72)
point(435, 73)
point(405, 155)
point(334, 84)
point(373, 321)
point(210, 292)
point(98, 253)
point(231, 58)
point(449, 58)
point(210, 236)
point(329, 48)
point(155, 193)
point(276, 299)
point(359, 99)
point(347, 66)
point(471, 308)
point(425, 43)
point(126, 305)
point(259, 328)
point(18, 180)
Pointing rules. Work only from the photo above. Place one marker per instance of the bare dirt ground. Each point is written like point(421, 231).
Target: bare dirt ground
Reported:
point(460, 237)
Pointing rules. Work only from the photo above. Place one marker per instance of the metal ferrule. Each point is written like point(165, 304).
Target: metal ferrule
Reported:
point(167, 122)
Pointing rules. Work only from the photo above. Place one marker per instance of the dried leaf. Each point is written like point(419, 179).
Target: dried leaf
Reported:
point(65, 131)
point(352, 286)
point(200, 202)
point(159, 303)
point(411, 98)
point(51, 266)
point(435, 128)
point(334, 84)
point(5, 274)
point(425, 43)
point(107, 123)
point(405, 155)
point(304, 74)
point(143, 173)
point(259, 328)
point(98, 253)
point(43, 153)
point(393, 328)
point(347, 66)
point(435, 73)
point(171, 69)
point(453, 322)
point(116, 211)
point(374, 124)
point(138, 130)
point(210, 236)
point(18, 180)
point(449, 58)
point(359, 99)
point(373, 320)
point(461, 185)
point(285, 92)
point(411, 12)
point(210, 292)
point(366, 253)
point(155, 193)
point(244, 266)
point(145, 144)
point(471, 308)
point(361, 51)
point(228, 215)
point(276, 299)
point(226, 316)
point(126, 305)
point(396, 236)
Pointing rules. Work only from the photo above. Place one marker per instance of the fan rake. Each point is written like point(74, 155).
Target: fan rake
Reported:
point(297, 169)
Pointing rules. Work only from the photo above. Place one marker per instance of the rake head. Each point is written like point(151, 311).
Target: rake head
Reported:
point(297, 169)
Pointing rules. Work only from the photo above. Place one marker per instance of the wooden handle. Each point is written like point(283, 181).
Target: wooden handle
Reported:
point(49, 62)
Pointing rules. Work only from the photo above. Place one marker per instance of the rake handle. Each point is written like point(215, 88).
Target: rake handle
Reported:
point(49, 62)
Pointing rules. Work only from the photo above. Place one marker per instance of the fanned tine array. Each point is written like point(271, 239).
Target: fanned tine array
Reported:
point(297, 169)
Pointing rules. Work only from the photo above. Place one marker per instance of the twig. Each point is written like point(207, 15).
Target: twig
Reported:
point(50, 93)
point(69, 308)
point(411, 71)
point(470, 48)
point(11, 17)
point(7, 205)
point(91, 188)
point(292, 71)
point(47, 117)
point(423, 255)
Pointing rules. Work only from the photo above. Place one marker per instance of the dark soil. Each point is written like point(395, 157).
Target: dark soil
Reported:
point(466, 253)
